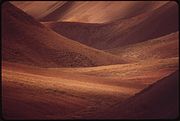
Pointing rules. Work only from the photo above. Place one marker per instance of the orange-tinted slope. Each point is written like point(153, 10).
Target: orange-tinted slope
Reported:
point(58, 93)
point(153, 24)
point(27, 41)
point(100, 11)
point(38, 9)
point(158, 101)
point(88, 11)
point(163, 47)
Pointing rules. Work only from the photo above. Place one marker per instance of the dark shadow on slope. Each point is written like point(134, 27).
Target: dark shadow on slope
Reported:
point(58, 13)
point(159, 22)
point(159, 101)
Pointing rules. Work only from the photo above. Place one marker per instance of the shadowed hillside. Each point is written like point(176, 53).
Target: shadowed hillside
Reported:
point(38, 9)
point(88, 11)
point(90, 60)
point(160, 100)
point(66, 93)
point(162, 47)
point(153, 24)
point(27, 41)
point(100, 11)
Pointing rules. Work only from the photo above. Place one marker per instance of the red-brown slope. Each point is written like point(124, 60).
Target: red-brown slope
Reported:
point(51, 93)
point(87, 11)
point(159, 22)
point(158, 101)
point(101, 12)
point(27, 41)
point(38, 9)
point(163, 47)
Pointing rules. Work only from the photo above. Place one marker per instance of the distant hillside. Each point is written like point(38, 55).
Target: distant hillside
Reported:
point(86, 11)
point(149, 25)
point(162, 47)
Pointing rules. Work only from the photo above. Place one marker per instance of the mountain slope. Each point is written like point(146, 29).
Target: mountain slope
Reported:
point(101, 12)
point(51, 93)
point(153, 24)
point(27, 41)
point(38, 9)
point(87, 11)
point(158, 101)
point(162, 47)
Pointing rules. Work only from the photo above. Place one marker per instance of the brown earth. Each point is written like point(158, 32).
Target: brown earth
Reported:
point(27, 41)
point(162, 47)
point(59, 93)
point(86, 12)
point(48, 76)
point(145, 26)
point(158, 101)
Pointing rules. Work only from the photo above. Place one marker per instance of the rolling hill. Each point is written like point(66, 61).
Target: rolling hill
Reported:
point(31, 92)
point(38, 9)
point(27, 41)
point(162, 47)
point(87, 12)
point(145, 26)
point(158, 101)
point(123, 64)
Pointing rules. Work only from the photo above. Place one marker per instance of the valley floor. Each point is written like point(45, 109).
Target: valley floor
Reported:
point(62, 93)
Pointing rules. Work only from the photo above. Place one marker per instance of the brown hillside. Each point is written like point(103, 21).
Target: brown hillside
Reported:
point(153, 24)
point(27, 41)
point(88, 11)
point(158, 101)
point(162, 47)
